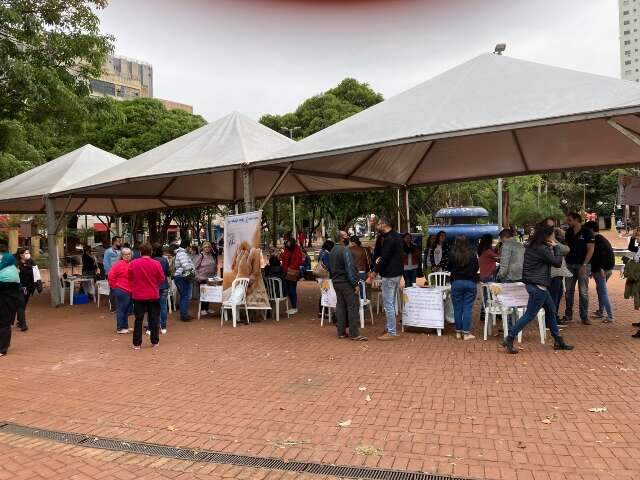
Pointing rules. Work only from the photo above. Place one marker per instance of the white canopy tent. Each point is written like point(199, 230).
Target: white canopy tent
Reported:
point(32, 192)
point(202, 167)
point(492, 116)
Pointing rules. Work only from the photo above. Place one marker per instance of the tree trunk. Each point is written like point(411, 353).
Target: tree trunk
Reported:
point(152, 222)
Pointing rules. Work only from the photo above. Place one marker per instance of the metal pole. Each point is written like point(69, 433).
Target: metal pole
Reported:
point(584, 198)
point(293, 216)
point(406, 204)
point(274, 223)
point(247, 184)
point(398, 209)
point(500, 207)
point(54, 270)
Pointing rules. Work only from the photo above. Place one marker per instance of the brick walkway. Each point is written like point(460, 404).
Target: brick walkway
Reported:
point(436, 404)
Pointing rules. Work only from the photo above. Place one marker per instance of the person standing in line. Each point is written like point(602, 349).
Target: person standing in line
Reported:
point(559, 275)
point(581, 244)
point(540, 255)
point(135, 251)
point(410, 259)
point(111, 256)
point(184, 275)
point(346, 281)
point(361, 257)
point(206, 264)
point(431, 244)
point(100, 249)
point(27, 285)
point(487, 258)
point(389, 266)
point(463, 265)
point(146, 277)
point(9, 296)
point(121, 288)
point(292, 260)
point(440, 253)
point(164, 287)
point(511, 258)
point(602, 263)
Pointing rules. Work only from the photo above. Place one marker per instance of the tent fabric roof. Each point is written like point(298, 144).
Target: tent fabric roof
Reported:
point(194, 169)
point(491, 116)
point(25, 193)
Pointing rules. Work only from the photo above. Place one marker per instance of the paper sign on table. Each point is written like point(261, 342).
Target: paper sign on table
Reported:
point(211, 294)
point(328, 296)
point(423, 307)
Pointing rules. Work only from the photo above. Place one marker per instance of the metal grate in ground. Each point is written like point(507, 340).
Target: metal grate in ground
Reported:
point(204, 456)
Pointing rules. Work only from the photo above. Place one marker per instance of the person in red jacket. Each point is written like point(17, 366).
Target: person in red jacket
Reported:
point(292, 259)
point(118, 277)
point(145, 278)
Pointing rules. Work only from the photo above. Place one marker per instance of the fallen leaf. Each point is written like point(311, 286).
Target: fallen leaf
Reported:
point(345, 423)
point(521, 445)
point(368, 398)
point(171, 428)
point(598, 409)
point(368, 450)
point(546, 420)
point(363, 389)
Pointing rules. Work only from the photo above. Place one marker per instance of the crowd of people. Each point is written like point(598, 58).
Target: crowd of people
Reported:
point(550, 264)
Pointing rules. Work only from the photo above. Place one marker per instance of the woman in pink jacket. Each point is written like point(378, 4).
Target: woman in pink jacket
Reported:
point(120, 287)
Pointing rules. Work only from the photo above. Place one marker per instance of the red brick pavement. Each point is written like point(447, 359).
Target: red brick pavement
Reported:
point(437, 404)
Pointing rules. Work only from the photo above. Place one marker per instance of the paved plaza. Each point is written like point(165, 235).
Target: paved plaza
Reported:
point(422, 403)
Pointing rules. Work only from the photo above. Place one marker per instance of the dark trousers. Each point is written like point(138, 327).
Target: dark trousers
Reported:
point(538, 299)
point(556, 290)
point(9, 298)
point(152, 309)
point(292, 291)
point(25, 294)
point(347, 309)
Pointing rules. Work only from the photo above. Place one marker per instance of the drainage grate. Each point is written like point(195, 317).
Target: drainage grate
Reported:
point(204, 456)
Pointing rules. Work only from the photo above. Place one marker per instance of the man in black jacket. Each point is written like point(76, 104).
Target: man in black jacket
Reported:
point(390, 267)
point(602, 264)
point(346, 281)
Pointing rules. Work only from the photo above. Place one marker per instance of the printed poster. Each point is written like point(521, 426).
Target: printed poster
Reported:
point(510, 294)
point(423, 307)
point(628, 190)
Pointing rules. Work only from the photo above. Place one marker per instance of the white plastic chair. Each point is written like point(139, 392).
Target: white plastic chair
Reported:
point(242, 283)
point(438, 279)
point(172, 297)
point(102, 288)
point(276, 293)
point(364, 303)
point(327, 309)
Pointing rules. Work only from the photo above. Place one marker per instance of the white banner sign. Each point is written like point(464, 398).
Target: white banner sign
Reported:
point(328, 296)
point(211, 294)
point(510, 294)
point(628, 190)
point(245, 227)
point(423, 307)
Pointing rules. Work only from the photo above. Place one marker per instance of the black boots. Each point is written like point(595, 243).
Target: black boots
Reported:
point(508, 345)
point(560, 345)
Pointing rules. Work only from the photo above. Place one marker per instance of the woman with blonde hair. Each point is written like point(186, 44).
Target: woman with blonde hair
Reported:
point(206, 265)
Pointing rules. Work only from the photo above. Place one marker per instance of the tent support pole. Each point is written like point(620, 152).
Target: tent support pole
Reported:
point(247, 184)
point(54, 270)
point(274, 223)
point(627, 133)
point(398, 209)
point(276, 185)
point(500, 212)
point(64, 212)
point(406, 204)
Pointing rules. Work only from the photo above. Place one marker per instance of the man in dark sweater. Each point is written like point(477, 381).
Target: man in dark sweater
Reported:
point(390, 267)
point(346, 281)
point(602, 263)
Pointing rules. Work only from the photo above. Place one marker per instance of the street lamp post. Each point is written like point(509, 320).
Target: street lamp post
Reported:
point(584, 196)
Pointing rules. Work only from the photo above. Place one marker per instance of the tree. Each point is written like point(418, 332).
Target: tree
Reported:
point(49, 49)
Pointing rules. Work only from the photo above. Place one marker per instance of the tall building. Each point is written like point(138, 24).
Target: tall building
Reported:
point(126, 79)
point(629, 39)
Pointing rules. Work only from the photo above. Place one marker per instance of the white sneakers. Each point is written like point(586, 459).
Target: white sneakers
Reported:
point(163, 331)
point(204, 312)
point(468, 336)
point(292, 311)
point(123, 331)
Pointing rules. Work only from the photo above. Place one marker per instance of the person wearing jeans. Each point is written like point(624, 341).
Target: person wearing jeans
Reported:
point(580, 241)
point(602, 263)
point(463, 265)
point(184, 273)
point(540, 255)
point(389, 264)
point(119, 284)
point(292, 260)
point(164, 286)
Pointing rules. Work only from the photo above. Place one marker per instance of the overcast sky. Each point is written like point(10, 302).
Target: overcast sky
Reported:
point(266, 56)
